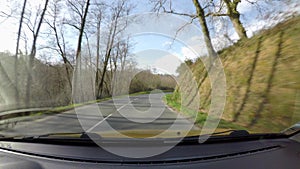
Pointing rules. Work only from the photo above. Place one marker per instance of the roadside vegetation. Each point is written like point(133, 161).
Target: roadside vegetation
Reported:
point(198, 117)
point(263, 77)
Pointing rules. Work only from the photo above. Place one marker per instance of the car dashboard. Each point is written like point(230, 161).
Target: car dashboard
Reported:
point(279, 153)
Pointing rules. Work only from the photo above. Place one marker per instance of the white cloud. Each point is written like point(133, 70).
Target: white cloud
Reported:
point(188, 53)
point(167, 64)
point(245, 7)
point(194, 47)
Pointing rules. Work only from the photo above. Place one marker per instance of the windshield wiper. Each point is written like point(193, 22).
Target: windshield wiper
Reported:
point(74, 136)
point(79, 135)
point(89, 138)
point(234, 135)
point(294, 129)
point(80, 138)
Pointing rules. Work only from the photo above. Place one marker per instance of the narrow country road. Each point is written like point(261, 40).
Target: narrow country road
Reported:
point(142, 112)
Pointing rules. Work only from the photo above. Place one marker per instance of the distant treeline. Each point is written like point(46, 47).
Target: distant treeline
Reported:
point(50, 83)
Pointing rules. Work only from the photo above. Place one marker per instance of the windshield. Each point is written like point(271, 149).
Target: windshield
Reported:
point(148, 69)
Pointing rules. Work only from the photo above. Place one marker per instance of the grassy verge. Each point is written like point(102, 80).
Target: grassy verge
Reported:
point(199, 117)
point(262, 79)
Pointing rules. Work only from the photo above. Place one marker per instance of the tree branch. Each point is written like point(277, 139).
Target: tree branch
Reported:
point(181, 28)
point(75, 8)
point(70, 24)
point(216, 14)
point(181, 14)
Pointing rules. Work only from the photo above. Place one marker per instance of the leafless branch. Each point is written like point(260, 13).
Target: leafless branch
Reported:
point(181, 28)
point(181, 14)
point(216, 14)
point(75, 8)
point(72, 25)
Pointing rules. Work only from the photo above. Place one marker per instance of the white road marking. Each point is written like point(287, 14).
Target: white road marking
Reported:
point(125, 105)
point(92, 128)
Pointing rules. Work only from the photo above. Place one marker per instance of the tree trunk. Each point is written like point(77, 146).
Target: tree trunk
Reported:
point(32, 55)
point(103, 74)
point(61, 48)
point(17, 51)
point(112, 34)
point(89, 62)
point(97, 56)
point(205, 31)
point(78, 52)
point(234, 16)
point(239, 28)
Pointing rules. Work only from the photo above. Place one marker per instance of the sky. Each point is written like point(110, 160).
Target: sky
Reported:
point(156, 34)
point(163, 54)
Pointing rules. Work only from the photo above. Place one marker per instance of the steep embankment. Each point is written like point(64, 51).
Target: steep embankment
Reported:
point(263, 80)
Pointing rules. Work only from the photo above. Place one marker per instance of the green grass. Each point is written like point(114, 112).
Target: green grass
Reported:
point(199, 117)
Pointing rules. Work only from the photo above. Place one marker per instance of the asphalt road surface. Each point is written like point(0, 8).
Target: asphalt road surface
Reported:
point(142, 112)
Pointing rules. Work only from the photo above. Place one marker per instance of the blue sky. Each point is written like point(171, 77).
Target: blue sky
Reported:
point(160, 52)
point(153, 33)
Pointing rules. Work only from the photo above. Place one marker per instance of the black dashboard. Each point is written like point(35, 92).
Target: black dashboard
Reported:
point(280, 153)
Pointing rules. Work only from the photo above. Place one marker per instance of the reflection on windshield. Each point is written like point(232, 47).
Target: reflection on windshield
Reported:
point(112, 69)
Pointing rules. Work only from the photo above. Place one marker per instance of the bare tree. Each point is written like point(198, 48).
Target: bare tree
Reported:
point(124, 51)
point(116, 27)
point(59, 38)
point(98, 14)
point(200, 15)
point(35, 33)
point(229, 8)
point(202, 20)
point(83, 17)
point(81, 29)
point(234, 16)
point(17, 50)
point(7, 14)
